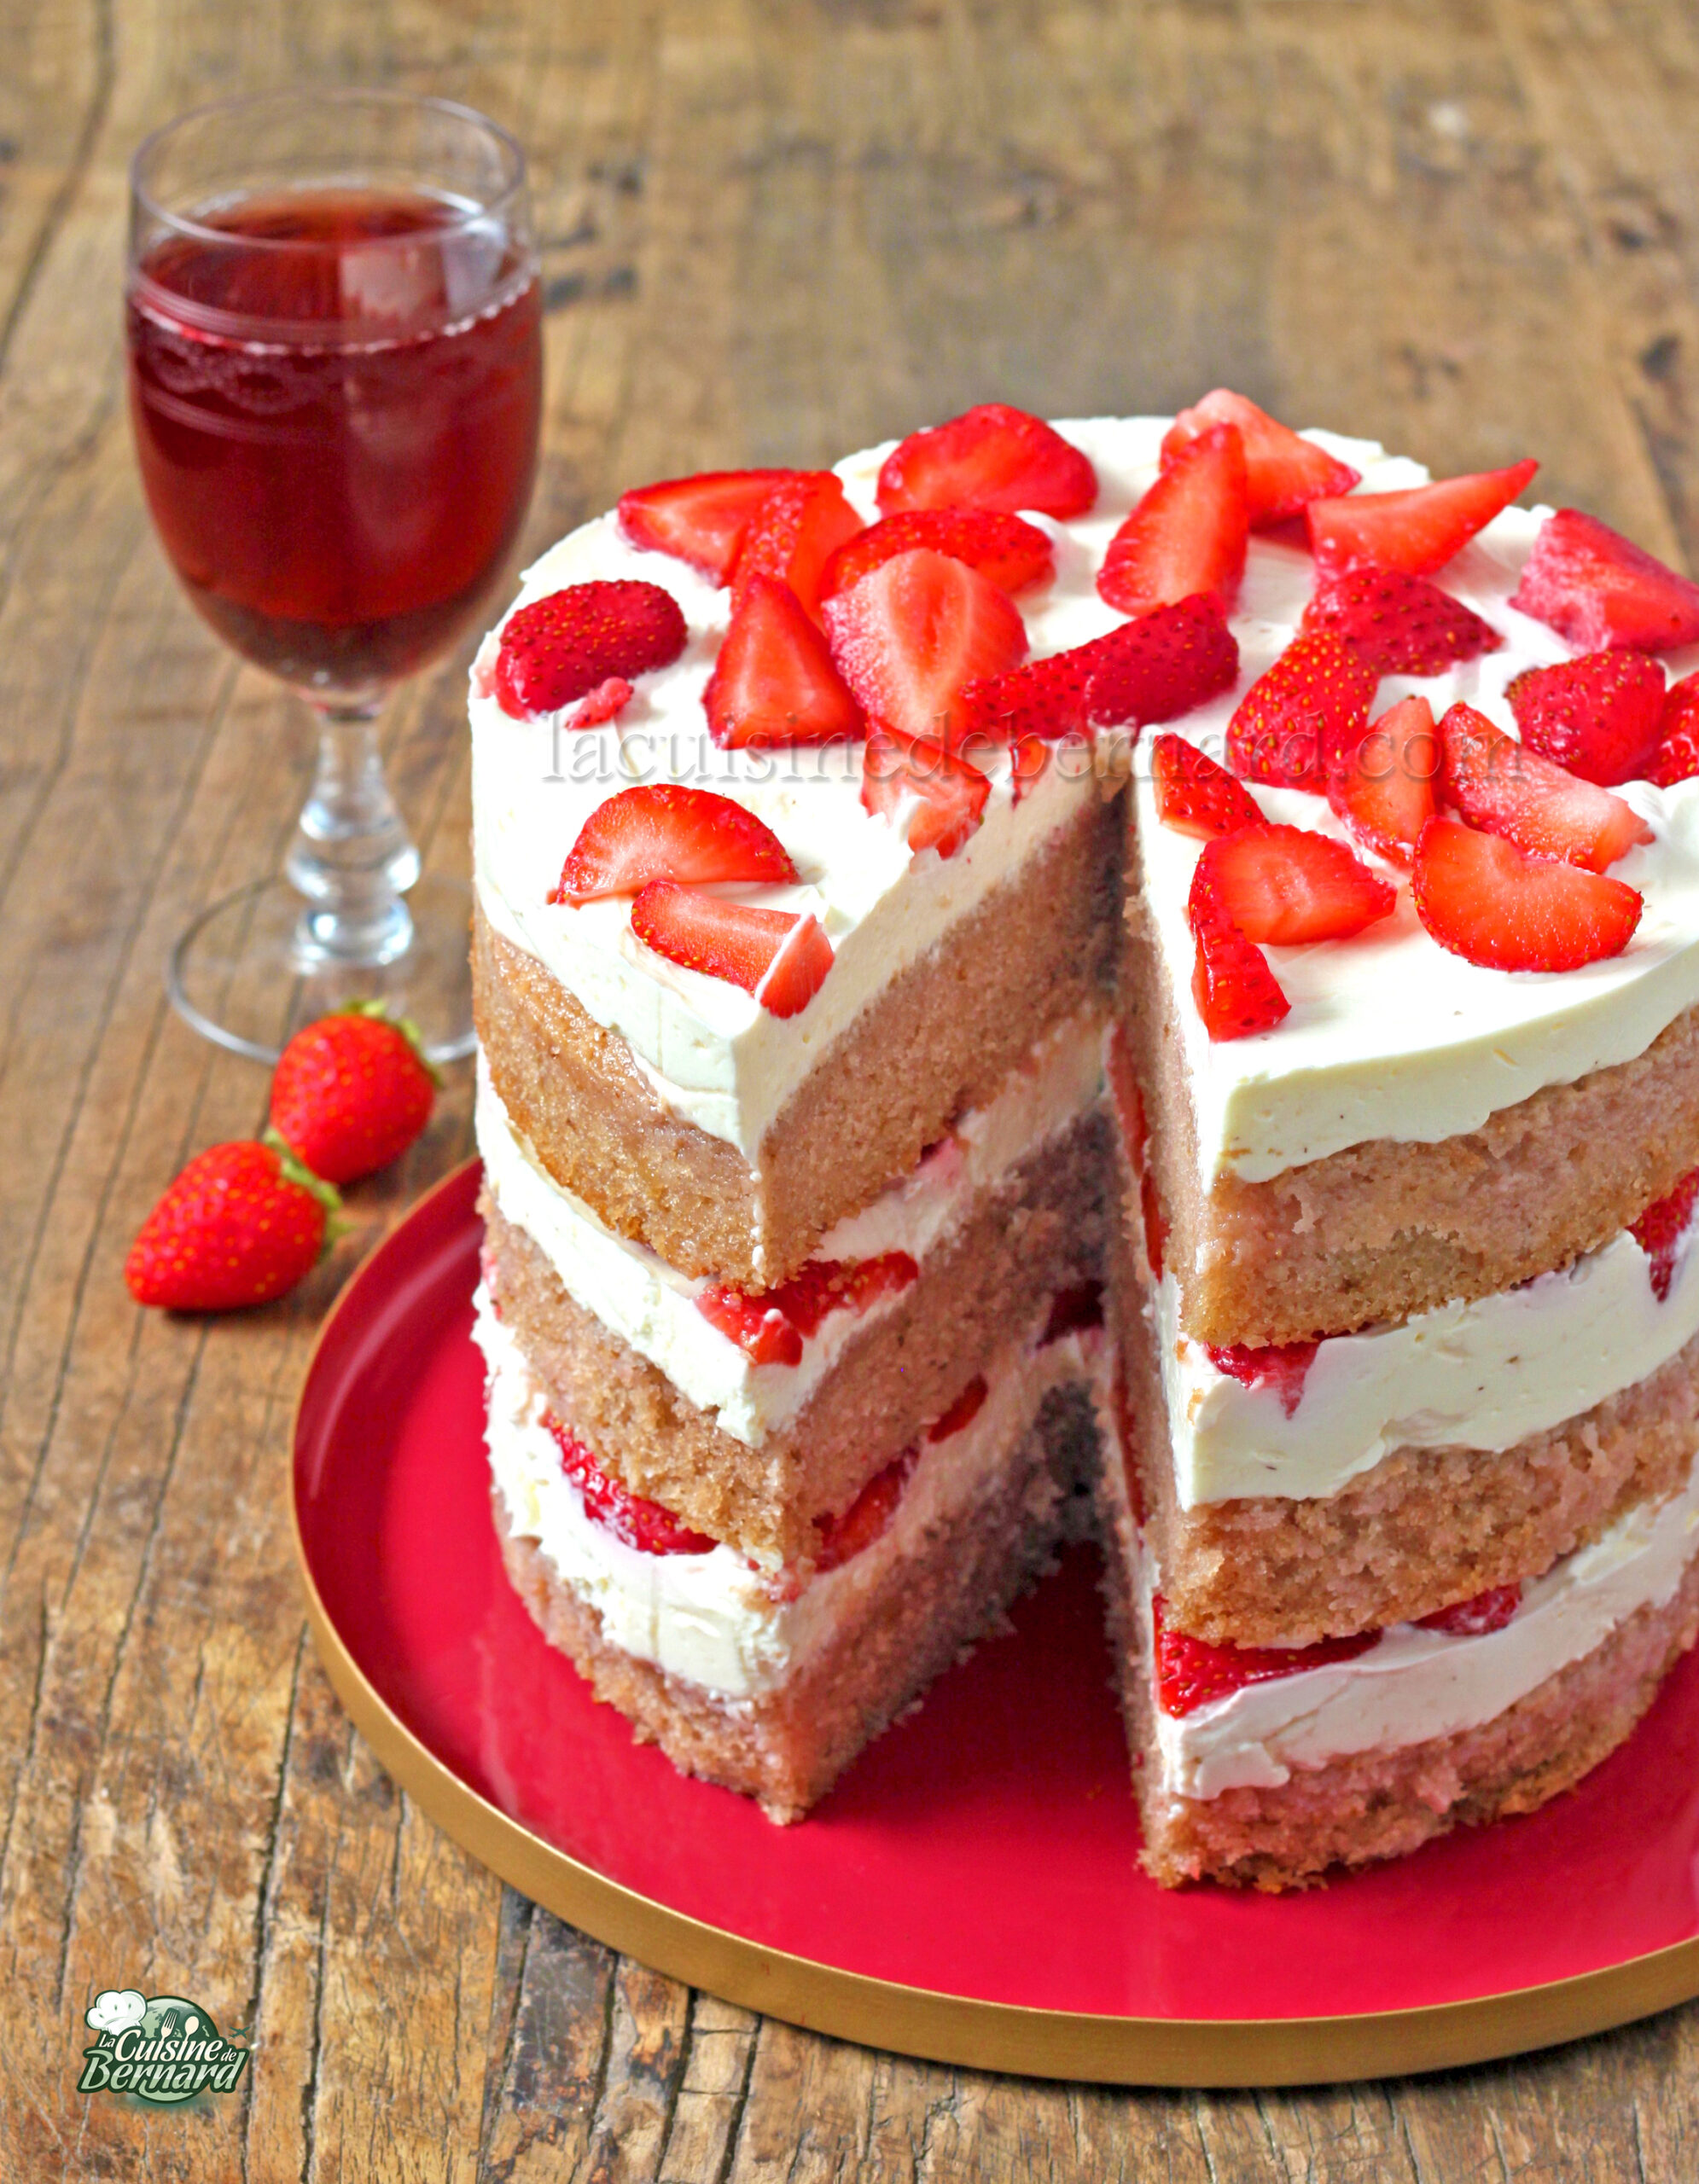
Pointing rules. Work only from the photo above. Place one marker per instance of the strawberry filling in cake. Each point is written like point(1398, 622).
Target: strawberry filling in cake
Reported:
point(1213, 861)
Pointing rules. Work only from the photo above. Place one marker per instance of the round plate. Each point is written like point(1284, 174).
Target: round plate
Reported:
point(970, 1891)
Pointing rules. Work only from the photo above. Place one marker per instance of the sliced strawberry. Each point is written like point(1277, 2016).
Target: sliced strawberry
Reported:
point(1482, 899)
point(908, 637)
point(699, 520)
point(963, 1412)
point(774, 682)
point(1073, 1310)
point(1283, 1366)
point(770, 1326)
point(1600, 717)
point(563, 647)
point(1474, 1618)
point(638, 1523)
point(1190, 1672)
point(1153, 669)
point(1676, 756)
point(1600, 591)
point(780, 958)
point(1235, 992)
point(606, 702)
point(659, 831)
point(1384, 789)
point(1012, 554)
point(1299, 715)
point(1501, 786)
point(866, 1517)
point(1417, 530)
point(1284, 885)
point(794, 532)
point(990, 456)
point(1283, 472)
point(1194, 795)
point(1397, 624)
point(1188, 534)
point(1661, 1228)
point(943, 796)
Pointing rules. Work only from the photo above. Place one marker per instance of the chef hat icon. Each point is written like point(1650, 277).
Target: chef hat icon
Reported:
point(116, 2010)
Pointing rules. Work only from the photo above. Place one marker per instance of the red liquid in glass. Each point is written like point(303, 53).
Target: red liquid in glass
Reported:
point(337, 439)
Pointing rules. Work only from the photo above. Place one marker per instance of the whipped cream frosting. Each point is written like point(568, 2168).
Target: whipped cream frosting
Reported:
point(712, 1618)
point(651, 1307)
point(1481, 1375)
point(1414, 1684)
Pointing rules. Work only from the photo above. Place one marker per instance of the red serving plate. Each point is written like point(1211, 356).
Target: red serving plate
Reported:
point(971, 1891)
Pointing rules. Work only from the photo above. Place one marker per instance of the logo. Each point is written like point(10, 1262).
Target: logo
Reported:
point(163, 2051)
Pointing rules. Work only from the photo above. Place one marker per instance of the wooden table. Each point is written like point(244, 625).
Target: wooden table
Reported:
point(770, 232)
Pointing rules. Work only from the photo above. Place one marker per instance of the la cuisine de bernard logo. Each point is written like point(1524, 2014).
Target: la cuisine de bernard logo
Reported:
point(162, 2049)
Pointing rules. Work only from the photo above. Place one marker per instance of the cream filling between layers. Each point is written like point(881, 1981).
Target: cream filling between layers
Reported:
point(1417, 1684)
point(651, 1307)
point(711, 1619)
point(1480, 1375)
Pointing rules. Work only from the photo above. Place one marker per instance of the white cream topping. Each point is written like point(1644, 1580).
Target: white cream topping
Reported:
point(1480, 1375)
point(649, 1305)
point(1388, 1036)
point(712, 1618)
point(1415, 1684)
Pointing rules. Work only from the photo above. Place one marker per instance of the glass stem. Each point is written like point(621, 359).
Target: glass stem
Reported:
point(352, 858)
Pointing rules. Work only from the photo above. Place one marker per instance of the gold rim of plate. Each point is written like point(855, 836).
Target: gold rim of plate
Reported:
point(958, 2029)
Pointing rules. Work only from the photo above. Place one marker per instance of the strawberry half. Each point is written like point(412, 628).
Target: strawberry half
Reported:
point(1501, 786)
point(774, 682)
point(1188, 534)
point(1417, 530)
point(563, 647)
point(1014, 555)
point(699, 520)
point(992, 456)
point(643, 1525)
point(1600, 717)
point(241, 1225)
point(1677, 757)
point(908, 637)
point(1155, 669)
point(1235, 993)
point(1384, 789)
point(782, 959)
point(794, 532)
point(867, 1516)
point(1660, 1228)
point(657, 830)
point(1296, 718)
point(1475, 1616)
point(1284, 1366)
point(351, 1092)
point(943, 795)
point(1190, 1672)
point(1284, 885)
point(1283, 472)
point(1194, 795)
point(1397, 624)
point(1480, 898)
point(1600, 591)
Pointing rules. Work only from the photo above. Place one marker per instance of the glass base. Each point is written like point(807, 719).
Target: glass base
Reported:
point(241, 977)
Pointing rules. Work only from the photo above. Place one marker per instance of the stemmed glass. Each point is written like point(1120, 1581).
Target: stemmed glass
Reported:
point(335, 332)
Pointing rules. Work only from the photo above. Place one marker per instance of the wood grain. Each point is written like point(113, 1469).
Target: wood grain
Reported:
point(771, 231)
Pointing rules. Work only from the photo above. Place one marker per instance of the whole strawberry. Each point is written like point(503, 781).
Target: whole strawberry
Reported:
point(242, 1224)
point(351, 1092)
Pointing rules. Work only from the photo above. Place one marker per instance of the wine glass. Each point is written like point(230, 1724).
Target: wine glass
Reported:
point(334, 332)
